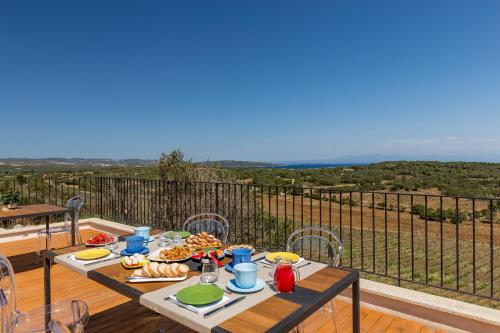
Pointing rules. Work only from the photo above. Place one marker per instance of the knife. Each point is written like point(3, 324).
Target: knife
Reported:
point(100, 261)
point(303, 265)
point(220, 308)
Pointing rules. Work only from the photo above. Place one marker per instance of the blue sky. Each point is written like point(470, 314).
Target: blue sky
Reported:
point(249, 80)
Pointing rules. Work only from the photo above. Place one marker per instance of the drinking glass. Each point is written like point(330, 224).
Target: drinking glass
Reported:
point(209, 271)
point(165, 242)
point(178, 239)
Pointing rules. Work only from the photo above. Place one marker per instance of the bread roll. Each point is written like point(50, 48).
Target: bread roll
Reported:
point(163, 269)
point(137, 273)
point(183, 270)
point(153, 269)
point(175, 268)
point(145, 271)
point(169, 271)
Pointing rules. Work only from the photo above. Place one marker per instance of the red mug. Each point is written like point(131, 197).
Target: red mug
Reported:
point(285, 276)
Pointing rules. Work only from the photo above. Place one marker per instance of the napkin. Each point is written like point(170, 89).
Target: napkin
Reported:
point(198, 309)
point(83, 262)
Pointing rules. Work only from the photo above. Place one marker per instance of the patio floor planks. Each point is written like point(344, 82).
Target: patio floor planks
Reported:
point(112, 312)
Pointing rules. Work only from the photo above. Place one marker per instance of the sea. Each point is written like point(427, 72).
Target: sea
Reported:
point(316, 165)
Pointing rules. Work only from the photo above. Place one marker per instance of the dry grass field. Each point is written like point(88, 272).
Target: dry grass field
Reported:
point(366, 246)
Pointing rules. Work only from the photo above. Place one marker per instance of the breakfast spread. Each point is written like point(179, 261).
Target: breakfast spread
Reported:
point(202, 240)
point(101, 239)
point(229, 249)
point(161, 270)
point(176, 253)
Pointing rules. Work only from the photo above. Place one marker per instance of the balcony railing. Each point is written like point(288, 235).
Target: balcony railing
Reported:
point(451, 244)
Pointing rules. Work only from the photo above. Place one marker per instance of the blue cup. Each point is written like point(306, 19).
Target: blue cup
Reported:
point(245, 275)
point(143, 232)
point(135, 244)
point(241, 256)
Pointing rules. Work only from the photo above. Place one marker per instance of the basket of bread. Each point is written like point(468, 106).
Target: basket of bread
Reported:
point(160, 272)
point(202, 240)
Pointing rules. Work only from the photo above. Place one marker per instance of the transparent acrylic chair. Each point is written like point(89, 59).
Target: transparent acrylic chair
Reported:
point(65, 316)
point(321, 245)
point(72, 313)
point(8, 308)
point(75, 204)
point(212, 223)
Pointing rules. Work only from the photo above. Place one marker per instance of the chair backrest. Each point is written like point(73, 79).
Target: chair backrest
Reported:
point(317, 244)
point(75, 204)
point(212, 223)
point(8, 307)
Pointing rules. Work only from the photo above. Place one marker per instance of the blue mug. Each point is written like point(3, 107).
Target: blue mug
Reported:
point(143, 232)
point(135, 244)
point(241, 256)
point(245, 275)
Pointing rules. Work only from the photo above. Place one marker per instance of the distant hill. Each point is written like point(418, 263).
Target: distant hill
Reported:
point(74, 164)
point(367, 159)
point(74, 161)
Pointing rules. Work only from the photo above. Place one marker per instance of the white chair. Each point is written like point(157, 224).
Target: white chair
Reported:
point(75, 204)
point(317, 244)
point(212, 223)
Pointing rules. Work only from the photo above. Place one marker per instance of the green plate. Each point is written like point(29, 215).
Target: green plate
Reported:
point(170, 234)
point(200, 294)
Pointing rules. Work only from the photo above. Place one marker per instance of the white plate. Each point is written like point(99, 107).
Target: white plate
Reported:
point(155, 256)
point(160, 279)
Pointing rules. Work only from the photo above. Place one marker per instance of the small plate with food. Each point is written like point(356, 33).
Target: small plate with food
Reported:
point(160, 272)
point(216, 253)
point(101, 240)
point(202, 240)
point(295, 259)
point(135, 261)
point(228, 250)
point(174, 254)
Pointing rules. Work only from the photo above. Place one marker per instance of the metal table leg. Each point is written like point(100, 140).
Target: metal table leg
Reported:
point(355, 307)
point(47, 226)
point(46, 288)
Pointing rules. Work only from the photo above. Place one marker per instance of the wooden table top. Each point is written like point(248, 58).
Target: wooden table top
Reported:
point(32, 211)
point(283, 312)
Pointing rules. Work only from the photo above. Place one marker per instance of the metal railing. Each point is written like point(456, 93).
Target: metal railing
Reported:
point(450, 243)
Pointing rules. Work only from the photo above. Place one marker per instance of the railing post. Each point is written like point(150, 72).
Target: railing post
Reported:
point(217, 197)
point(100, 198)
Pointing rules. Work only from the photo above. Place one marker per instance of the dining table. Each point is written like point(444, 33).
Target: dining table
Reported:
point(39, 210)
point(263, 311)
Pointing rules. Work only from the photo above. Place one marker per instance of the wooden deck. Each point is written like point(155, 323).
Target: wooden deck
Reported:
point(112, 312)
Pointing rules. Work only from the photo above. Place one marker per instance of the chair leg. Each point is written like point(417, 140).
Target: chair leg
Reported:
point(67, 234)
point(331, 308)
point(299, 328)
point(49, 242)
point(38, 246)
point(79, 235)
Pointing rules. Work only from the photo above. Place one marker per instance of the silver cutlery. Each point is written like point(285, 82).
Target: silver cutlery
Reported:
point(100, 261)
point(303, 265)
point(259, 259)
point(225, 306)
point(171, 300)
